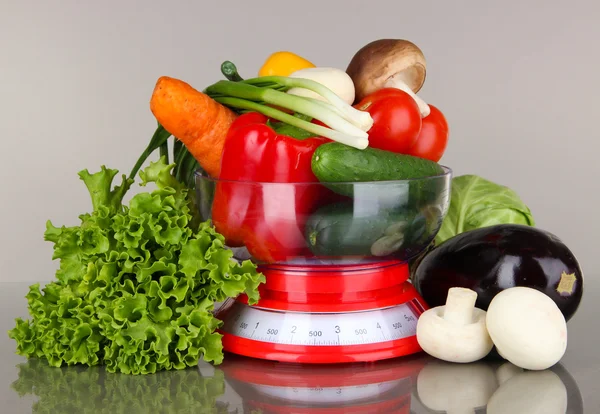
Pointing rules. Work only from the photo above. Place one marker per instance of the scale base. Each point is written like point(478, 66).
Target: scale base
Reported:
point(315, 317)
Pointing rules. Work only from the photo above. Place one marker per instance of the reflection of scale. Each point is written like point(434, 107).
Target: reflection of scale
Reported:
point(326, 314)
point(269, 387)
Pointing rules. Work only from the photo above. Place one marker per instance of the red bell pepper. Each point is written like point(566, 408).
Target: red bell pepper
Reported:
point(268, 219)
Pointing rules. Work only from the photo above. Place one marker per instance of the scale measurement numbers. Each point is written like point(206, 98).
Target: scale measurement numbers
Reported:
point(323, 329)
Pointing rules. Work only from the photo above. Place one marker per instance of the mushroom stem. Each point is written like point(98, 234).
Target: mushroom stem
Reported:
point(397, 82)
point(459, 306)
point(458, 334)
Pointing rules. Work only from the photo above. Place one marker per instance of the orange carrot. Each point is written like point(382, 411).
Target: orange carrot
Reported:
point(194, 118)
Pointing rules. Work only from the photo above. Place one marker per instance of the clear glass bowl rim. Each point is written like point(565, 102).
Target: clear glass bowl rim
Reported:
point(199, 173)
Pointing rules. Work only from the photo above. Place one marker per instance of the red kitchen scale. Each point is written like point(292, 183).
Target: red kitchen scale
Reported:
point(353, 301)
point(326, 314)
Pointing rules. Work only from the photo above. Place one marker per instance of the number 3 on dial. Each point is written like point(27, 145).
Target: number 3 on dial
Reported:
point(337, 329)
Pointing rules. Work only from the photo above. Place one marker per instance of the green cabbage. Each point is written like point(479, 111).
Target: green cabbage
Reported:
point(476, 202)
point(136, 285)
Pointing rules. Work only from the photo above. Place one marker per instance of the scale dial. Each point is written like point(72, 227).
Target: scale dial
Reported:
point(320, 329)
point(347, 314)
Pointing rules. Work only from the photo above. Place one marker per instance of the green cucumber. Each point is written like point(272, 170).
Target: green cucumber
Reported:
point(338, 163)
point(336, 230)
point(335, 162)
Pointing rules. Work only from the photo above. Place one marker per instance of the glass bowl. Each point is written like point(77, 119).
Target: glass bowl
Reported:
point(325, 223)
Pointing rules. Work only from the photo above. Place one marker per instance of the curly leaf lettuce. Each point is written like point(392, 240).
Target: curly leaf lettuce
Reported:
point(136, 285)
point(476, 202)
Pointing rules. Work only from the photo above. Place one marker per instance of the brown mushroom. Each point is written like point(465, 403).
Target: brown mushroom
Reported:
point(389, 63)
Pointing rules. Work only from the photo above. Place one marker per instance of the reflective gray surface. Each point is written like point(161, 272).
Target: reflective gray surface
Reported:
point(417, 384)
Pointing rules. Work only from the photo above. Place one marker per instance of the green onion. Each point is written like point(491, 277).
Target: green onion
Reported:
point(361, 119)
point(164, 151)
point(306, 106)
point(159, 140)
point(341, 137)
point(325, 105)
point(229, 70)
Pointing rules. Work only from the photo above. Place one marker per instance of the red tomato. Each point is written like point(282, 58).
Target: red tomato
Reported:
point(433, 138)
point(396, 119)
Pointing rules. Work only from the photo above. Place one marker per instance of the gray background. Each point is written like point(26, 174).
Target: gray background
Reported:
point(518, 82)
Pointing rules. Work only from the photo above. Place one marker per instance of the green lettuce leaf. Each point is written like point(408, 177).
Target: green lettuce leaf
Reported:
point(99, 185)
point(476, 202)
point(136, 285)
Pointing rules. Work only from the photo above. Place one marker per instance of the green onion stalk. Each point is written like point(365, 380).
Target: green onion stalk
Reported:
point(357, 142)
point(346, 124)
point(359, 118)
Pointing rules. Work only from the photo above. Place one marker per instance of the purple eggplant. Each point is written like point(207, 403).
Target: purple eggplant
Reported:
point(491, 259)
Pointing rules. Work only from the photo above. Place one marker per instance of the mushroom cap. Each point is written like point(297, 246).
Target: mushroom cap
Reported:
point(527, 328)
point(381, 59)
point(453, 342)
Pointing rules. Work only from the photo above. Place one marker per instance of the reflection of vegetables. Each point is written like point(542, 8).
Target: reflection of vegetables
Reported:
point(506, 371)
point(456, 331)
point(396, 119)
point(337, 230)
point(283, 63)
point(476, 202)
point(335, 79)
point(93, 390)
point(193, 118)
point(432, 140)
point(256, 152)
point(531, 392)
point(456, 388)
point(389, 63)
point(346, 124)
point(527, 328)
point(491, 259)
point(136, 284)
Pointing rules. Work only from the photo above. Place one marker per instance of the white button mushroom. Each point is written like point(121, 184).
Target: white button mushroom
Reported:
point(457, 331)
point(389, 63)
point(527, 328)
point(531, 392)
point(456, 389)
point(335, 79)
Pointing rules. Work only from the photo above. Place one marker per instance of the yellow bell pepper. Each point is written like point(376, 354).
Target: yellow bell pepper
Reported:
point(283, 64)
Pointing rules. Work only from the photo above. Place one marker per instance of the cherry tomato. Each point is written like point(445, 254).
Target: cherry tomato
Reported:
point(396, 119)
point(433, 138)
